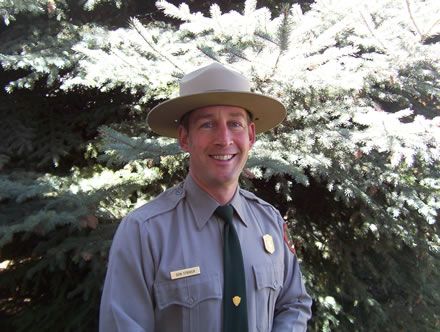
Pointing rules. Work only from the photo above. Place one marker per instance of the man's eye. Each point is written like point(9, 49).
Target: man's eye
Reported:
point(236, 124)
point(206, 125)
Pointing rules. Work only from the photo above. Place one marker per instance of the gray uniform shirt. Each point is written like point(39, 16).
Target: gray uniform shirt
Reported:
point(178, 231)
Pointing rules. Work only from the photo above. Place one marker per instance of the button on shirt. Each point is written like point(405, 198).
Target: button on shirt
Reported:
point(178, 231)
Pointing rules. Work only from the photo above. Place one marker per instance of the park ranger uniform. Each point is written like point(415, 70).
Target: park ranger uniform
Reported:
point(165, 270)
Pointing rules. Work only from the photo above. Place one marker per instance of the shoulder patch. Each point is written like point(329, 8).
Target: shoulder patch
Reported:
point(288, 239)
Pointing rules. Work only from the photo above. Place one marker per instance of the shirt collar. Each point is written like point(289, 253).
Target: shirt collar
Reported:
point(237, 202)
point(203, 205)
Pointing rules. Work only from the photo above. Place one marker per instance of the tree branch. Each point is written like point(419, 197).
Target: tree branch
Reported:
point(207, 54)
point(152, 47)
point(372, 32)
point(412, 19)
point(230, 50)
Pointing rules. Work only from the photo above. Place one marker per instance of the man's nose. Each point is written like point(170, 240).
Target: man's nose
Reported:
point(223, 135)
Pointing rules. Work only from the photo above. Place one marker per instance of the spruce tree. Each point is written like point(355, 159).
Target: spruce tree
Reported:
point(354, 168)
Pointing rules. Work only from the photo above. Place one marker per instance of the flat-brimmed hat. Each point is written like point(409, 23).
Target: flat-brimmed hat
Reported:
point(210, 86)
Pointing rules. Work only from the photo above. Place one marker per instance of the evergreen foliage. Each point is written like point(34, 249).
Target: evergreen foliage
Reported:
point(354, 168)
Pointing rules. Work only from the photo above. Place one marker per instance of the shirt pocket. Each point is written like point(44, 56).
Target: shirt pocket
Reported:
point(269, 281)
point(189, 304)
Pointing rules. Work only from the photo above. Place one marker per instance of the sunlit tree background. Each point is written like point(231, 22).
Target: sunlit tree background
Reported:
point(354, 168)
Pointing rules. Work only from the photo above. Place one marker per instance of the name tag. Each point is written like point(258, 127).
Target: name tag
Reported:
point(192, 271)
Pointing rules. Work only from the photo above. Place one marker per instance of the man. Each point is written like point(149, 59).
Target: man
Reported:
point(180, 262)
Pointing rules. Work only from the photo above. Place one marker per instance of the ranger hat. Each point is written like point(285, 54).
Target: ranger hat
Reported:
point(210, 86)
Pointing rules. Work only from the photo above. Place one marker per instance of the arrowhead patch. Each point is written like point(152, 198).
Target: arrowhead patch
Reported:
point(288, 239)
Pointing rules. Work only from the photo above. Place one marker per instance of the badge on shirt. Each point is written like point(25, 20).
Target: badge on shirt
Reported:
point(236, 300)
point(288, 239)
point(268, 243)
point(192, 271)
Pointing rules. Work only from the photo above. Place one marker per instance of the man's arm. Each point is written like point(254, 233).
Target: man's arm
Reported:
point(126, 303)
point(293, 306)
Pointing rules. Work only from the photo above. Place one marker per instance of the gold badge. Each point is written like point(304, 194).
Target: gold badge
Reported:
point(268, 244)
point(236, 300)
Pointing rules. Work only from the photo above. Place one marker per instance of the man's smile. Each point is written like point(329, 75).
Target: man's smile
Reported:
point(223, 156)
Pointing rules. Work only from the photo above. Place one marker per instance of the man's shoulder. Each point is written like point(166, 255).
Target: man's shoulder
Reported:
point(262, 210)
point(254, 199)
point(163, 203)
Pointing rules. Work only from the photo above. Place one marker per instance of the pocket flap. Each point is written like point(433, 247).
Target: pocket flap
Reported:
point(268, 276)
point(187, 292)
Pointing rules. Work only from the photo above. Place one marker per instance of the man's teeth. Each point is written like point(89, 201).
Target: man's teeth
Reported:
point(223, 157)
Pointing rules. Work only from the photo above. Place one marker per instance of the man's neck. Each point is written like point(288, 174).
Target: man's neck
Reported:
point(222, 194)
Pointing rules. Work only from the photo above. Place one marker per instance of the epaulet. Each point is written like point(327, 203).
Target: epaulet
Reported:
point(163, 203)
point(265, 205)
point(250, 196)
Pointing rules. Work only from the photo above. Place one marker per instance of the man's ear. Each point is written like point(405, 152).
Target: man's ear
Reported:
point(251, 135)
point(183, 138)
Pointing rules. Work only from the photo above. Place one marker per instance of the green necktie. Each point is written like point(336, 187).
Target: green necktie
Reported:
point(234, 296)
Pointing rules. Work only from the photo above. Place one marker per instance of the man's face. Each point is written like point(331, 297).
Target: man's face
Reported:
point(218, 140)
